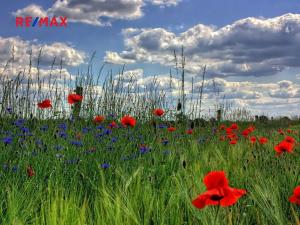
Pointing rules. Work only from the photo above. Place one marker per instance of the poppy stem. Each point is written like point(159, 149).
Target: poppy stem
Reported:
point(217, 213)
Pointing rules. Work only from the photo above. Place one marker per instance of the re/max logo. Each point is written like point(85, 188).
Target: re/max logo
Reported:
point(29, 21)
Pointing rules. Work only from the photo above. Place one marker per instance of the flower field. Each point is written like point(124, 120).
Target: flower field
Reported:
point(110, 170)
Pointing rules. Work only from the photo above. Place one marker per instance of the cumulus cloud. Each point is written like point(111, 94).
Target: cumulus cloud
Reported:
point(31, 10)
point(115, 58)
point(278, 98)
point(164, 3)
point(160, 82)
point(21, 50)
point(95, 12)
point(248, 47)
point(130, 75)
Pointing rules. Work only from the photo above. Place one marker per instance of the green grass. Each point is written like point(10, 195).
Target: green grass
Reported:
point(153, 188)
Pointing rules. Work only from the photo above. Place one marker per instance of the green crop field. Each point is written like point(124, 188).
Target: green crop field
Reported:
point(84, 172)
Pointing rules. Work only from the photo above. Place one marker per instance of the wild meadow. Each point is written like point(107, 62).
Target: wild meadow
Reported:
point(103, 153)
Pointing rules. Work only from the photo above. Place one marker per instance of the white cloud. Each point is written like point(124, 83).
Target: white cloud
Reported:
point(131, 75)
point(115, 58)
point(21, 50)
point(31, 10)
point(164, 3)
point(94, 12)
point(248, 47)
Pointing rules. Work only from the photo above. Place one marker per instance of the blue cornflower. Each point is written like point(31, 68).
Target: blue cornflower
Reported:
point(14, 169)
point(7, 140)
point(85, 130)
point(19, 122)
point(144, 149)
point(25, 129)
point(105, 165)
point(62, 126)
point(107, 132)
point(62, 134)
point(114, 139)
point(162, 126)
point(100, 127)
point(76, 143)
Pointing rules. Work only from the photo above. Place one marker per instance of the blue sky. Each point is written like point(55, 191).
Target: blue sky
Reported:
point(187, 14)
point(142, 33)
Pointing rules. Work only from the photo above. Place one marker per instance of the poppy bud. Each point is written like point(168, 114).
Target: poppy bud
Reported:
point(184, 164)
point(178, 105)
point(30, 171)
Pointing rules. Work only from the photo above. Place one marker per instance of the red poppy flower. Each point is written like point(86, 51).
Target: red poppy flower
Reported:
point(234, 126)
point(222, 127)
point(99, 119)
point(280, 131)
point(189, 131)
point(74, 98)
point(245, 132)
point(289, 131)
point(45, 104)
point(113, 124)
point(30, 171)
point(284, 146)
point(252, 139)
point(228, 130)
point(171, 129)
point(251, 129)
point(128, 121)
point(233, 142)
point(232, 136)
point(289, 139)
point(218, 191)
point(158, 112)
point(263, 140)
point(295, 198)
